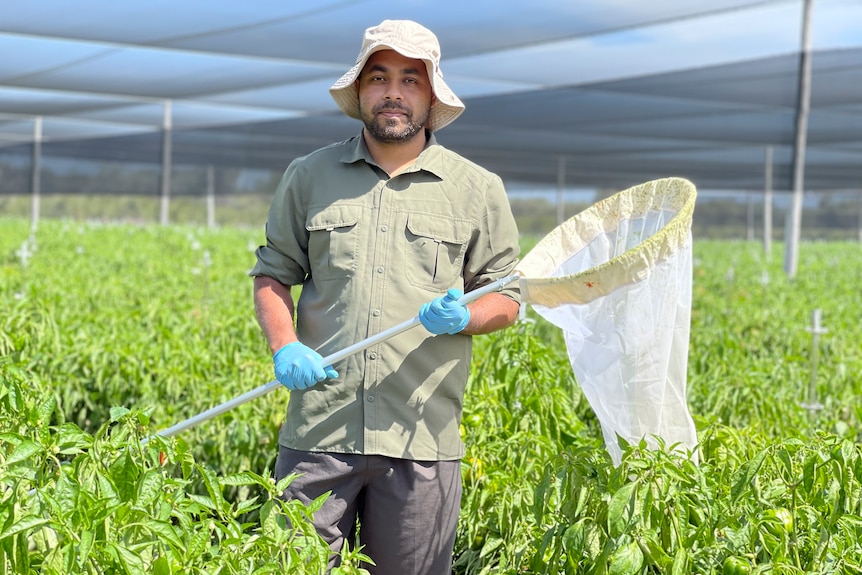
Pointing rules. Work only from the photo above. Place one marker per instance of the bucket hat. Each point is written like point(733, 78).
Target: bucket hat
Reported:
point(411, 40)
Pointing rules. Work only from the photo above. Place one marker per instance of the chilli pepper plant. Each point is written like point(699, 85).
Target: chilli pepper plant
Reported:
point(111, 332)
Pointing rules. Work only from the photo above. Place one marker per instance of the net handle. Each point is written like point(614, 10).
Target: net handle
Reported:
point(328, 360)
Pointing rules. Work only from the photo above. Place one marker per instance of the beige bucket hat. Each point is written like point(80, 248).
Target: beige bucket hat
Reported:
point(413, 41)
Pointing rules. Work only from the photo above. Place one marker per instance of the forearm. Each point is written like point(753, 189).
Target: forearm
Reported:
point(490, 313)
point(274, 308)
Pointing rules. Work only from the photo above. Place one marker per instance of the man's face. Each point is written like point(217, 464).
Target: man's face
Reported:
point(395, 97)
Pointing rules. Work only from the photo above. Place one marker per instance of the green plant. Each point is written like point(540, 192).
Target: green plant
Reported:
point(112, 332)
point(120, 501)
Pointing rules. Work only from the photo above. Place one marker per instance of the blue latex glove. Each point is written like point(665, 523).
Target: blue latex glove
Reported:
point(445, 314)
point(297, 366)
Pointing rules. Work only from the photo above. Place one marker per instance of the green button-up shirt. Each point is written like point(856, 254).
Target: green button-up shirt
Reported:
point(369, 250)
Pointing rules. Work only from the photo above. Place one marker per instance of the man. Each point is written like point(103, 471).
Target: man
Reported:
point(375, 229)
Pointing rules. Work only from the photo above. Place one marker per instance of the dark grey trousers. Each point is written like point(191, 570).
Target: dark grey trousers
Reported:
point(407, 510)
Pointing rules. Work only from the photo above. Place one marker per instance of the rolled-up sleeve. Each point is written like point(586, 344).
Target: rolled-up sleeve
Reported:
point(285, 255)
point(495, 253)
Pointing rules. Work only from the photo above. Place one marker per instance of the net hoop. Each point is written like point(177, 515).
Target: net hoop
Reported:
point(538, 286)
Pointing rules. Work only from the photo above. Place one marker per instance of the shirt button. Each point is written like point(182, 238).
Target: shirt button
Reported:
point(370, 398)
point(372, 355)
point(376, 313)
point(384, 228)
point(380, 270)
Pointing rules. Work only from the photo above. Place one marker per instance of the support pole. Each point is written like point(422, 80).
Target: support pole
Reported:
point(36, 175)
point(767, 205)
point(165, 196)
point(211, 223)
point(816, 330)
point(859, 221)
point(749, 236)
point(794, 219)
point(561, 184)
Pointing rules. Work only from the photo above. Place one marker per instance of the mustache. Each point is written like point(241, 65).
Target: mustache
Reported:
point(391, 106)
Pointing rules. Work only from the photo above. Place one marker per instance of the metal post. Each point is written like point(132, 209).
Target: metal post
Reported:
point(859, 222)
point(36, 175)
point(749, 236)
point(165, 196)
point(794, 218)
point(561, 183)
point(812, 405)
point(767, 205)
point(211, 197)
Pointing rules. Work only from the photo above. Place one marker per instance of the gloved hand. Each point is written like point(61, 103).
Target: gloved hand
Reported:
point(298, 367)
point(445, 314)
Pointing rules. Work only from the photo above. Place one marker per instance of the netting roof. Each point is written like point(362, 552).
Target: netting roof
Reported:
point(622, 90)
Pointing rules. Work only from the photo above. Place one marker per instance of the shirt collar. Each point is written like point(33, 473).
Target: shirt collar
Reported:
point(429, 160)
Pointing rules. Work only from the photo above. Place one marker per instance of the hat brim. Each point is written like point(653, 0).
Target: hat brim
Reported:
point(445, 109)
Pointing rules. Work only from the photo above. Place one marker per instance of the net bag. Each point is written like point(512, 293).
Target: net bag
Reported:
point(616, 278)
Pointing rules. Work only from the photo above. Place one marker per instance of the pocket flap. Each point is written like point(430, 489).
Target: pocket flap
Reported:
point(332, 217)
point(449, 230)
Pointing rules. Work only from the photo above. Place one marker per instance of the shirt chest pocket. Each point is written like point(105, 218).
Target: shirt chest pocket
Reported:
point(435, 250)
point(333, 242)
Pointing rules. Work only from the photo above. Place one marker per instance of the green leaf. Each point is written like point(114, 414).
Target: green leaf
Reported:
point(149, 487)
point(243, 478)
point(809, 472)
point(57, 560)
point(106, 487)
point(848, 449)
point(117, 413)
point(165, 532)
point(161, 566)
point(784, 456)
point(66, 495)
point(746, 475)
point(13, 438)
point(681, 563)
point(202, 502)
point(621, 509)
point(213, 488)
point(22, 552)
point(653, 552)
point(23, 451)
point(573, 539)
point(491, 545)
point(71, 439)
point(86, 544)
point(284, 482)
point(271, 520)
point(540, 495)
point(23, 525)
point(15, 399)
point(142, 418)
point(626, 560)
point(45, 409)
point(246, 505)
point(131, 562)
point(317, 504)
point(198, 544)
point(123, 474)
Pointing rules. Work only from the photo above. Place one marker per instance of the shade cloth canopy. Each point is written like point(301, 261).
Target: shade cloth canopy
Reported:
point(617, 91)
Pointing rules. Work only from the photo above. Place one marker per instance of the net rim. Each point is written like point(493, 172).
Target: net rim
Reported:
point(631, 266)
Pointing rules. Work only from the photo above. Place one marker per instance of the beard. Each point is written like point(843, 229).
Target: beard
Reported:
point(391, 130)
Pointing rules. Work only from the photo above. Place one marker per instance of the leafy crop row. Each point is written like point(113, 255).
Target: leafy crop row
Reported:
point(109, 333)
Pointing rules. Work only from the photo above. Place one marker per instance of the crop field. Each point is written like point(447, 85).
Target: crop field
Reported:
point(109, 333)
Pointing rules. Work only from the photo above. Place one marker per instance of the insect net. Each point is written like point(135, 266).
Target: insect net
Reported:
point(616, 278)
